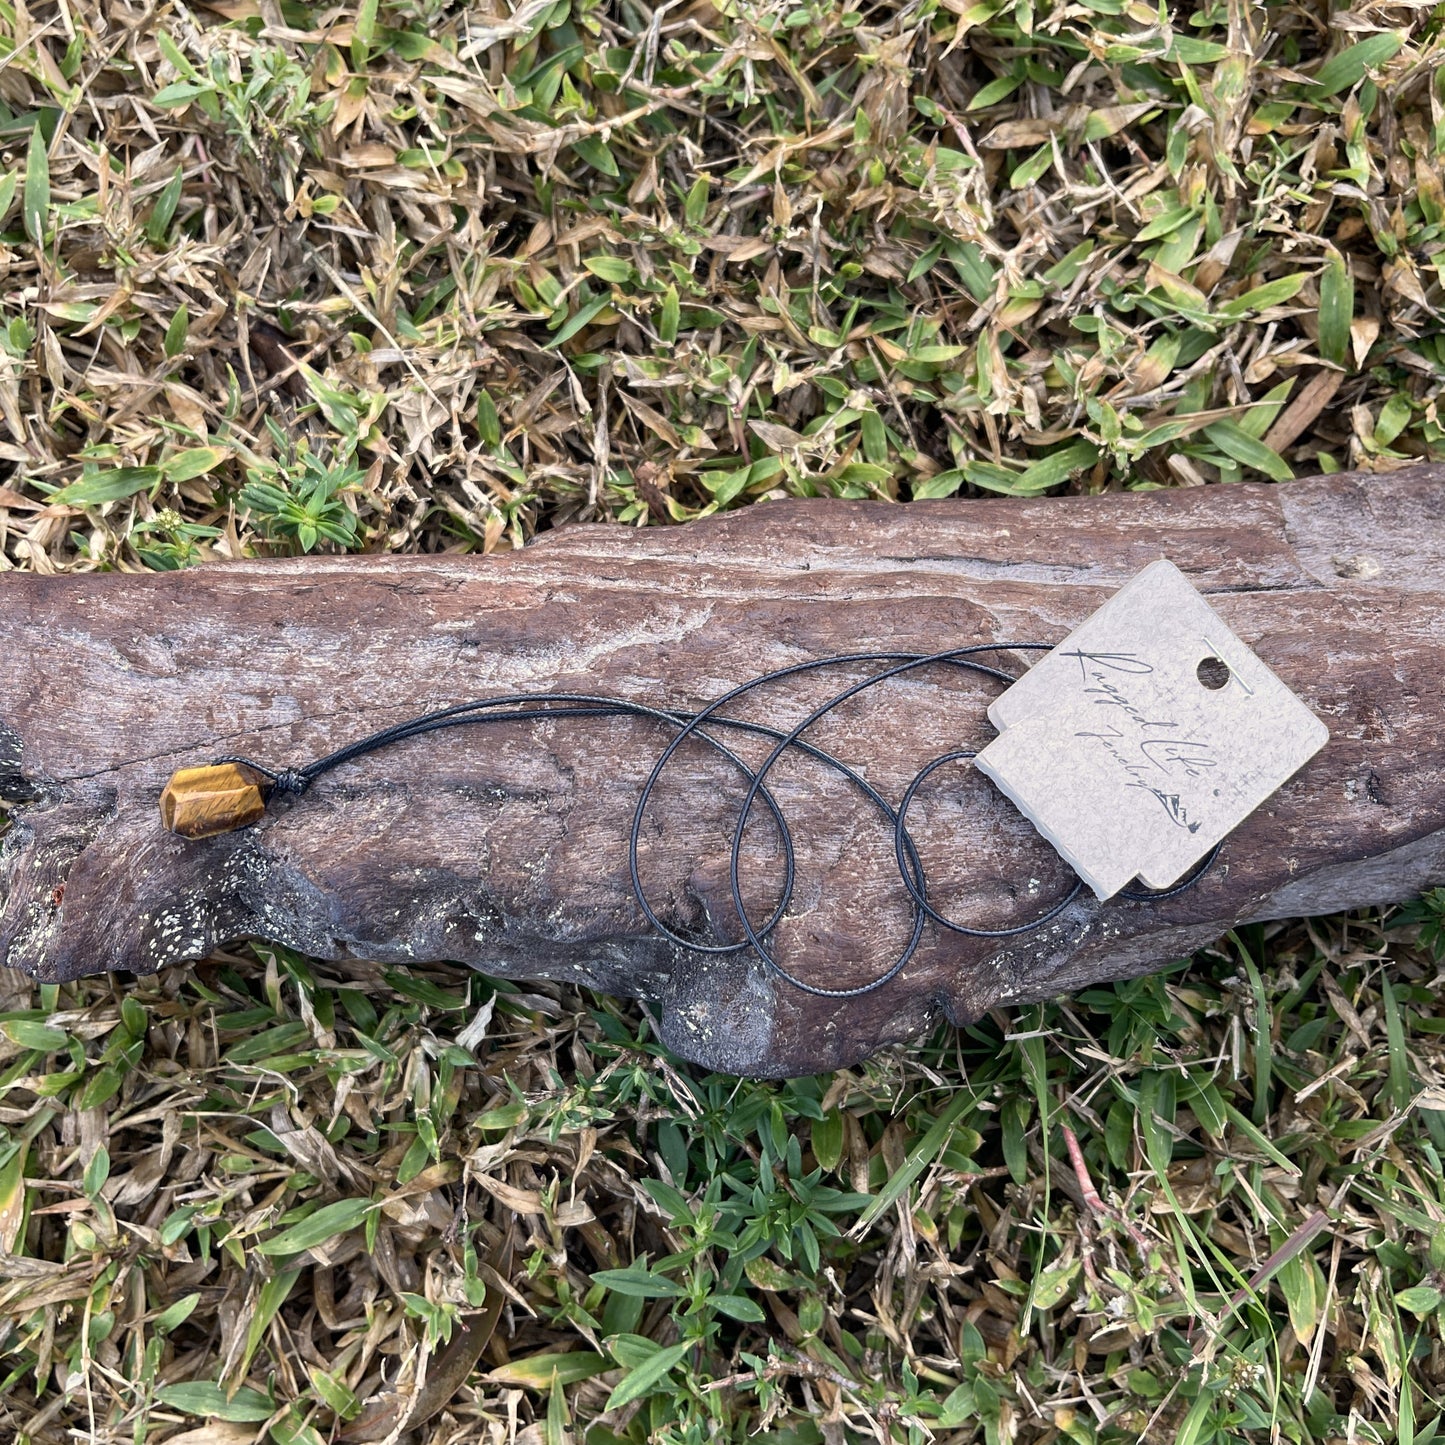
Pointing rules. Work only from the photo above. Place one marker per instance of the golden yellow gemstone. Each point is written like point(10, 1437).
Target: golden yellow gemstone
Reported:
point(202, 802)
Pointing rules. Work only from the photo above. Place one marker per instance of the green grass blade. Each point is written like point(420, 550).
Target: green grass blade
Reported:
point(1337, 308)
point(1347, 69)
point(918, 1158)
point(35, 202)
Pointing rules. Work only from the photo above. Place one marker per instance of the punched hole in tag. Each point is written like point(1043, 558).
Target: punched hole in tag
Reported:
point(1213, 673)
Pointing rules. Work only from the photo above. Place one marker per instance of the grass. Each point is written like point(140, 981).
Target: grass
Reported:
point(1204, 1206)
point(420, 276)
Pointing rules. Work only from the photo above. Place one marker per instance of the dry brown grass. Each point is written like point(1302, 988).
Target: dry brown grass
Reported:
point(593, 261)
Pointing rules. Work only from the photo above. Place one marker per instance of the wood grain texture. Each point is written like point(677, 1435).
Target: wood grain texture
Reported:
point(504, 848)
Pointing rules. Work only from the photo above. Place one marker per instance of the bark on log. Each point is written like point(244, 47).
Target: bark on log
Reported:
point(505, 848)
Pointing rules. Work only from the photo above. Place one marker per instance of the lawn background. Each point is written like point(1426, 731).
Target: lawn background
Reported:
point(422, 276)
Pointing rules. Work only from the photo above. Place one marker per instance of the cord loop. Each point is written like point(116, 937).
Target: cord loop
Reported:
point(698, 726)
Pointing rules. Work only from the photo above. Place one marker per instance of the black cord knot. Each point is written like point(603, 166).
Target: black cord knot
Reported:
point(291, 780)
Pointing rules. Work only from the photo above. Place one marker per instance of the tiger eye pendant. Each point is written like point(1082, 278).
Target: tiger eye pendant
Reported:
point(202, 802)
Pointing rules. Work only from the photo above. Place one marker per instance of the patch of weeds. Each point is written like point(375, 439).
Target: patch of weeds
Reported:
point(1427, 913)
point(166, 542)
point(259, 94)
point(299, 496)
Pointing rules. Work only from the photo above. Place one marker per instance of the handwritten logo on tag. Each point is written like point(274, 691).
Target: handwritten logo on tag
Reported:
point(1142, 746)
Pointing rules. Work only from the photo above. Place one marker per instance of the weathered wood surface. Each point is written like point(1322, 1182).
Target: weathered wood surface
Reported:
point(504, 848)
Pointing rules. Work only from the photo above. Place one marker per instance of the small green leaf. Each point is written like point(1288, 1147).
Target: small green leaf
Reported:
point(208, 1400)
point(272, 1297)
point(695, 207)
point(365, 28)
point(504, 1116)
point(596, 152)
point(96, 1172)
point(828, 1139)
point(1337, 308)
point(36, 202)
point(171, 52)
point(640, 1380)
point(1052, 1285)
point(1347, 69)
point(1029, 171)
point(926, 262)
point(998, 90)
point(768, 1274)
point(8, 183)
point(1235, 442)
point(1204, 1098)
point(1420, 1299)
point(12, 1197)
point(918, 1158)
point(177, 1224)
point(423, 990)
point(862, 474)
point(178, 331)
point(292, 1429)
point(994, 478)
point(1186, 50)
point(489, 424)
point(102, 1086)
point(941, 484)
point(193, 462)
point(974, 269)
point(176, 1314)
point(739, 1307)
point(1272, 293)
point(179, 95)
point(31, 1034)
point(1394, 418)
point(639, 1281)
point(610, 268)
point(1058, 467)
point(1302, 1287)
point(934, 355)
point(413, 1161)
point(576, 322)
point(725, 486)
point(1399, 1090)
point(164, 211)
point(111, 486)
point(339, 1399)
point(1166, 224)
point(537, 1372)
point(1119, 1134)
point(1260, 416)
point(1192, 1428)
point(875, 438)
point(339, 408)
point(1111, 119)
point(77, 311)
point(327, 1222)
point(668, 321)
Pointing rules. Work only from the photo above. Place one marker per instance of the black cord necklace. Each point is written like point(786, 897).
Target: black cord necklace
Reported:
point(235, 791)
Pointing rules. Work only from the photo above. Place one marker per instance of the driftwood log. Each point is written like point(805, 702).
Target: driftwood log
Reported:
point(504, 848)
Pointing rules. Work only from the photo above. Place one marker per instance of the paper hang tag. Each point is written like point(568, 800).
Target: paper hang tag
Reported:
point(1146, 736)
